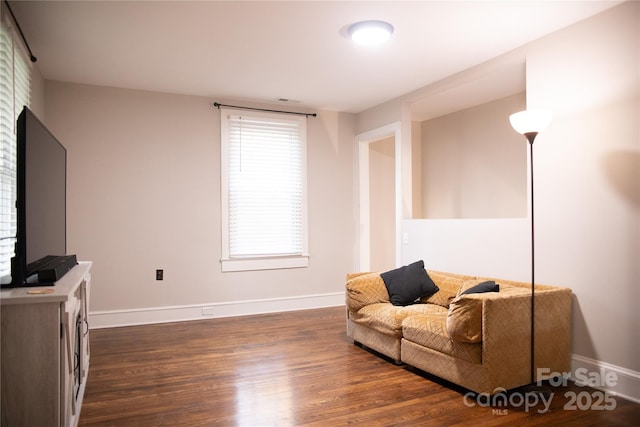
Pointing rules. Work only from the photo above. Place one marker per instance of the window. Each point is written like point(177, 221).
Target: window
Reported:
point(15, 76)
point(264, 209)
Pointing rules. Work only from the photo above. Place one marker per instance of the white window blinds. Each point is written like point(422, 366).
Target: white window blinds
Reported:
point(264, 187)
point(15, 77)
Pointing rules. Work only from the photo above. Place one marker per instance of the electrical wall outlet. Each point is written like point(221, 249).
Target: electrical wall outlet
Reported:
point(159, 274)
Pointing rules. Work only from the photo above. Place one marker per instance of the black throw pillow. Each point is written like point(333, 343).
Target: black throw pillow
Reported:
point(406, 284)
point(488, 286)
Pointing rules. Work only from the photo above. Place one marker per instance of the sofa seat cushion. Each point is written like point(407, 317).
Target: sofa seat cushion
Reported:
point(430, 330)
point(387, 318)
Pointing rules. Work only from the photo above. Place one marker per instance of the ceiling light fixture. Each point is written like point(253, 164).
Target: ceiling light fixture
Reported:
point(370, 32)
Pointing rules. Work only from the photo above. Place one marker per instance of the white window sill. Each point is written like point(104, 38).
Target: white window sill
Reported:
point(249, 264)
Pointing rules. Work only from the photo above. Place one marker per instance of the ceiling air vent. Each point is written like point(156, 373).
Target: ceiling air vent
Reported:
point(287, 101)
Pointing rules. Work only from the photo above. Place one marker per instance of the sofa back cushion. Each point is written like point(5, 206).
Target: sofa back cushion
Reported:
point(364, 289)
point(449, 286)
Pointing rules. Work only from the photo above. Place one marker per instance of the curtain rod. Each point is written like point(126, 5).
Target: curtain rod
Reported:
point(218, 105)
point(31, 57)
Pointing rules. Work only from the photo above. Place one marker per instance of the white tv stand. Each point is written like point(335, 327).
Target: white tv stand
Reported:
point(45, 351)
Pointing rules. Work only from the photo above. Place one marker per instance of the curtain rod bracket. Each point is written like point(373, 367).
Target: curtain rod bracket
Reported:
point(218, 105)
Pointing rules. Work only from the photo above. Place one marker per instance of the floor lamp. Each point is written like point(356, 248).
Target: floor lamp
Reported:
point(529, 123)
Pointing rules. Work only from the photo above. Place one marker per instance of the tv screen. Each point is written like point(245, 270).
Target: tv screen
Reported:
point(46, 188)
point(41, 198)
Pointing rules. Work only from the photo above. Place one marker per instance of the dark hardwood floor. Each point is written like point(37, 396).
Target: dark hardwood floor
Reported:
point(292, 369)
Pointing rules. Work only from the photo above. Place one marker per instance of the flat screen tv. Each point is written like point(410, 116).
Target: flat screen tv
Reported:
point(41, 202)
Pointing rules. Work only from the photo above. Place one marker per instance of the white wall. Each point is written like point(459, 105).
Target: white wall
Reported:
point(473, 164)
point(588, 184)
point(144, 194)
point(485, 247)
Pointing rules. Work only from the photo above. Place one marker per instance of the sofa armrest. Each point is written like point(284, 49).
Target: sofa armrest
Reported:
point(506, 329)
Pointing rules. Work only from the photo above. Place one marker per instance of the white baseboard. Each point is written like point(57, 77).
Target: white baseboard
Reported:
point(614, 379)
point(144, 316)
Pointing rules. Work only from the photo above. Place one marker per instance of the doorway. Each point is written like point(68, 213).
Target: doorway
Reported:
point(379, 198)
point(382, 213)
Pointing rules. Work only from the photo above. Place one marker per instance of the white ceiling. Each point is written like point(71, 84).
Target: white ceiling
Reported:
point(264, 50)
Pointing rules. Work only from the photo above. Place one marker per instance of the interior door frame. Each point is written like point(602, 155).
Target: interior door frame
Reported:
point(363, 141)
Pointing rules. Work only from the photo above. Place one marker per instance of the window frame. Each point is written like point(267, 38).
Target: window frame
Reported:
point(265, 262)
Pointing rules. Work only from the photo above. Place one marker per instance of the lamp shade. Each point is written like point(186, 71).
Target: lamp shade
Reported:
point(370, 32)
point(530, 121)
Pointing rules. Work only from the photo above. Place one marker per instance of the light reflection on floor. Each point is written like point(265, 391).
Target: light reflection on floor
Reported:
point(267, 401)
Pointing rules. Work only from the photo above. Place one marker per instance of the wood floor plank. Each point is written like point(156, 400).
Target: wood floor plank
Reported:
point(286, 369)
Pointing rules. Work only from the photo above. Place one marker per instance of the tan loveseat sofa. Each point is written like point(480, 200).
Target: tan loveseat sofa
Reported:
point(479, 341)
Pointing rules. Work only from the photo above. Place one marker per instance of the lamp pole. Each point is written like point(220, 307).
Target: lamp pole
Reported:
point(529, 123)
point(533, 257)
